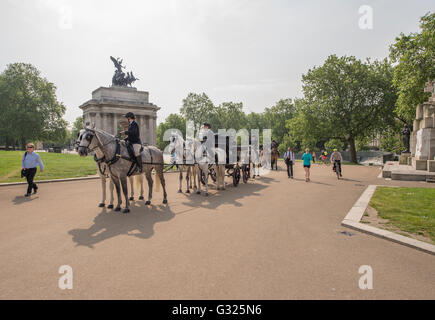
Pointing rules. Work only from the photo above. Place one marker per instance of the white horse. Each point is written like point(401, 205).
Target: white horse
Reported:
point(103, 172)
point(205, 160)
point(184, 153)
point(120, 163)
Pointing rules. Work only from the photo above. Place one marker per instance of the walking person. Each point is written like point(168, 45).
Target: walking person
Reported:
point(307, 158)
point(313, 154)
point(29, 163)
point(289, 158)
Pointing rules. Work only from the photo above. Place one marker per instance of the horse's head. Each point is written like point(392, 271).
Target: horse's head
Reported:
point(173, 141)
point(86, 141)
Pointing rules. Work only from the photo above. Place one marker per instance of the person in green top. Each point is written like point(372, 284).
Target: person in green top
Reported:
point(307, 158)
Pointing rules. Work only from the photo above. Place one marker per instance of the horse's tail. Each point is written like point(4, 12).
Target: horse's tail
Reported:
point(158, 182)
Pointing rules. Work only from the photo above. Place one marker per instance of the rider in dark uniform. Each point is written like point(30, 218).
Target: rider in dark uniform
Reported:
point(133, 137)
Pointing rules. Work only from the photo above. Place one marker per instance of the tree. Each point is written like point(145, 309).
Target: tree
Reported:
point(173, 121)
point(415, 58)
point(228, 115)
point(76, 127)
point(334, 144)
point(30, 101)
point(350, 98)
point(197, 108)
point(307, 129)
point(276, 116)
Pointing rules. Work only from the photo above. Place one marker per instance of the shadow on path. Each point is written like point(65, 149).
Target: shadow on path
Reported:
point(229, 196)
point(108, 224)
point(22, 199)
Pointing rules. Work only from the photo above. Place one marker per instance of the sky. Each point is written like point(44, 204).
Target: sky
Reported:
point(248, 51)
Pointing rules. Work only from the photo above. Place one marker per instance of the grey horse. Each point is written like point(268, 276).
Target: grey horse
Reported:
point(103, 172)
point(119, 162)
point(184, 151)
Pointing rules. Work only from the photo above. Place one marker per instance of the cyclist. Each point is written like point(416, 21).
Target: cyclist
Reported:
point(324, 156)
point(336, 159)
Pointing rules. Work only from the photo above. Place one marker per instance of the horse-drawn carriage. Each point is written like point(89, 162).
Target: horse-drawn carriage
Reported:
point(237, 159)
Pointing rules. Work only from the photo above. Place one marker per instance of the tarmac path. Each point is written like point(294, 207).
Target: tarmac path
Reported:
point(272, 238)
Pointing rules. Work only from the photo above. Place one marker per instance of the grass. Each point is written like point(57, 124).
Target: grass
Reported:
point(409, 209)
point(57, 166)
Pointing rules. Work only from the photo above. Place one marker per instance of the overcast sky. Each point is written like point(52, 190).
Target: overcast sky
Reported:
point(253, 52)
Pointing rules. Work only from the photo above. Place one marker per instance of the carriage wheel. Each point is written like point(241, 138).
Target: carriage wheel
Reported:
point(202, 178)
point(236, 175)
point(246, 173)
point(212, 174)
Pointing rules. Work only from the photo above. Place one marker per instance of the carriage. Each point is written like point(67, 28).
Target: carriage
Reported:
point(236, 166)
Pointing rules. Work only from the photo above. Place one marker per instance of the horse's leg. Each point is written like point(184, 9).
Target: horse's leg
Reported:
point(223, 177)
point(111, 189)
point(124, 184)
point(150, 185)
point(131, 180)
point(115, 181)
point(180, 178)
point(206, 181)
point(159, 171)
point(198, 175)
point(103, 191)
point(188, 182)
point(141, 186)
point(194, 169)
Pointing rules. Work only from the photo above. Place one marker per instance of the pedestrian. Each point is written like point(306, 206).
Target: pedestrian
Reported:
point(313, 154)
point(307, 158)
point(29, 163)
point(289, 158)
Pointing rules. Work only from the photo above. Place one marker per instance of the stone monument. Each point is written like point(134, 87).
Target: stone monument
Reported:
point(108, 106)
point(423, 136)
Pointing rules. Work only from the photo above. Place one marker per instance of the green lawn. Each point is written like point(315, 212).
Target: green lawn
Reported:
point(409, 209)
point(57, 166)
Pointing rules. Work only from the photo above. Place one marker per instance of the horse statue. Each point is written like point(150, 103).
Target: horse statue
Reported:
point(121, 165)
point(103, 172)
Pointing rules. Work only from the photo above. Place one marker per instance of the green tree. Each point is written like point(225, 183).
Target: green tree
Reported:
point(415, 58)
point(334, 144)
point(228, 115)
point(30, 101)
point(350, 98)
point(76, 127)
point(197, 108)
point(173, 121)
point(276, 116)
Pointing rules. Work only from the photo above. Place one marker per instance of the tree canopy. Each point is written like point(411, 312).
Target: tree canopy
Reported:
point(415, 58)
point(344, 99)
point(29, 107)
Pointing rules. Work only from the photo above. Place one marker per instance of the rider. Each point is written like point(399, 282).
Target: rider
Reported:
point(336, 158)
point(134, 138)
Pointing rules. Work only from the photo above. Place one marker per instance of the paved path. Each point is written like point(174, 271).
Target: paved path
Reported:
point(274, 238)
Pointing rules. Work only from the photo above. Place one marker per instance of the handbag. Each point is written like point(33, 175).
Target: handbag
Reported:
point(23, 172)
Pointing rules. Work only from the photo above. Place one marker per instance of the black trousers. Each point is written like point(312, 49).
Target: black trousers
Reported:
point(30, 174)
point(289, 168)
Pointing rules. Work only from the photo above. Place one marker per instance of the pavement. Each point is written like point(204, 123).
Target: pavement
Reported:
point(272, 238)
